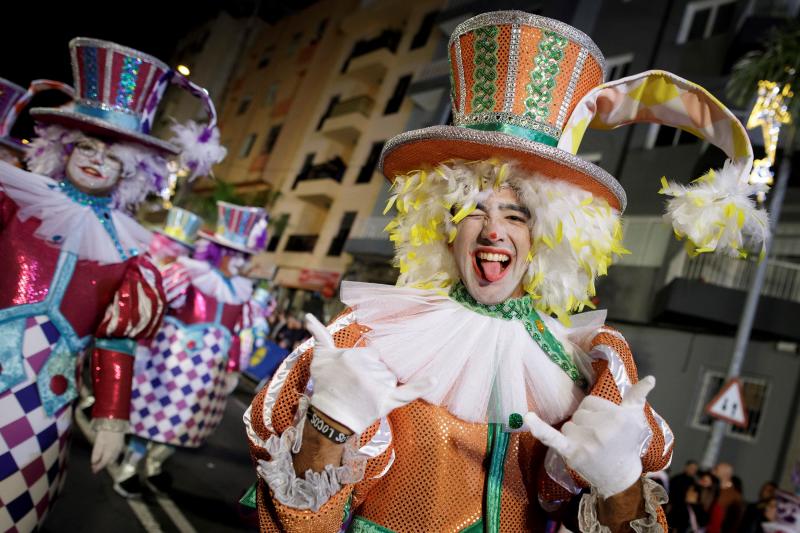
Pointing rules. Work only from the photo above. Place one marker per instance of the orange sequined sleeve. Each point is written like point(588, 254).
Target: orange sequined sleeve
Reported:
point(614, 373)
point(273, 411)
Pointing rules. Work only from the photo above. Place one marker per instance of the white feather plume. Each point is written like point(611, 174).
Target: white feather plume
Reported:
point(200, 147)
point(716, 212)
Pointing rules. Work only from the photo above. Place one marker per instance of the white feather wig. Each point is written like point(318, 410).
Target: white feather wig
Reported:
point(143, 170)
point(575, 236)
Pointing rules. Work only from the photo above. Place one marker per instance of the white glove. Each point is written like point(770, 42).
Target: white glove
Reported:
point(602, 441)
point(231, 381)
point(107, 447)
point(352, 385)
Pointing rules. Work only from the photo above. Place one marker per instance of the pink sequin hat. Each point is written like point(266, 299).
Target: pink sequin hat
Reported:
point(118, 93)
point(240, 227)
point(115, 88)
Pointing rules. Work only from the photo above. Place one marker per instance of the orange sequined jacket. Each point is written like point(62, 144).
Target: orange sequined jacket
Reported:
point(428, 470)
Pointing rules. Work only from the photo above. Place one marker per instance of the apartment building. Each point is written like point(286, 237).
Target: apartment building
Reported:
point(314, 98)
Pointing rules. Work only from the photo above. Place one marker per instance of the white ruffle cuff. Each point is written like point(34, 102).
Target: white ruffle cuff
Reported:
point(654, 497)
point(313, 490)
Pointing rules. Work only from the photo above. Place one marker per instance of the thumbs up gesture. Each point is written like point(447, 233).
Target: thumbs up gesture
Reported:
point(352, 385)
point(603, 441)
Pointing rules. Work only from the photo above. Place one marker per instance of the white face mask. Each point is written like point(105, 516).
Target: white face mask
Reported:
point(92, 167)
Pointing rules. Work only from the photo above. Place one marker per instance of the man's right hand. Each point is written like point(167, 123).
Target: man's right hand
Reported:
point(352, 385)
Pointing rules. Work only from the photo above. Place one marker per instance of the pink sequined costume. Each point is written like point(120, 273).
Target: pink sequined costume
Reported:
point(58, 291)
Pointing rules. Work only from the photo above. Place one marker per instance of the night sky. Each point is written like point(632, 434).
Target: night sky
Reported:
point(35, 34)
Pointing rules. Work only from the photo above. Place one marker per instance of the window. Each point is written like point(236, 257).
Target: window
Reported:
point(659, 135)
point(247, 145)
point(301, 243)
point(320, 31)
point(421, 37)
point(337, 244)
point(266, 55)
point(394, 103)
point(272, 137)
point(277, 227)
point(304, 171)
point(706, 18)
point(244, 105)
point(617, 66)
point(365, 176)
point(755, 393)
point(331, 105)
point(271, 94)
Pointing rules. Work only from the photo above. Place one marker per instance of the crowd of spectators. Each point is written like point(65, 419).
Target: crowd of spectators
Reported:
point(712, 501)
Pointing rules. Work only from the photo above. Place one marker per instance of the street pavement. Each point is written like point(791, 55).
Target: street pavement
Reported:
point(206, 486)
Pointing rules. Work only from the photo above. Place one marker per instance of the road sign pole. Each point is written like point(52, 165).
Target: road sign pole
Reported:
point(714, 444)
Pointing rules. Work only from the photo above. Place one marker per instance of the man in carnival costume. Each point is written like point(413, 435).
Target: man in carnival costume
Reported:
point(73, 269)
point(430, 406)
point(13, 99)
point(184, 376)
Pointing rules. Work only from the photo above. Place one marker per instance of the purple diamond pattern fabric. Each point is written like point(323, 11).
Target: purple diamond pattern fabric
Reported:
point(33, 446)
point(179, 386)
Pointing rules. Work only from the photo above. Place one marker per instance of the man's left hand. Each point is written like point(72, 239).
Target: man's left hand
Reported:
point(602, 441)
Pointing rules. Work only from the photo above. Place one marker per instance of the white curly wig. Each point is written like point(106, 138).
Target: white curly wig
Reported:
point(575, 236)
point(143, 170)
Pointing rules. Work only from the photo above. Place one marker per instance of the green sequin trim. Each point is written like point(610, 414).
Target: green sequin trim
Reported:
point(249, 498)
point(362, 525)
point(522, 309)
point(543, 75)
point(485, 74)
point(497, 445)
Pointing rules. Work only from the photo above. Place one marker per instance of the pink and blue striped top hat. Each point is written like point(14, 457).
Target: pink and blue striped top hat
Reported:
point(118, 93)
point(240, 227)
point(13, 100)
point(181, 226)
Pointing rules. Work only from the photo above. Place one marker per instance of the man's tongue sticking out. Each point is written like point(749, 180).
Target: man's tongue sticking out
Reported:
point(493, 270)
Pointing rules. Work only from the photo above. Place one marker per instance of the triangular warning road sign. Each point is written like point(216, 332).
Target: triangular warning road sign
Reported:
point(728, 404)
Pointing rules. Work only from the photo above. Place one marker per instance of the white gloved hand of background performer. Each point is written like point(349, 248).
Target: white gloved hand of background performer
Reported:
point(602, 441)
point(352, 385)
point(231, 382)
point(107, 447)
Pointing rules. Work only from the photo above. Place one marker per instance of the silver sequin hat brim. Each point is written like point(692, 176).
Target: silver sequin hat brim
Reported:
point(427, 147)
point(173, 238)
point(202, 234)
point(92, 125)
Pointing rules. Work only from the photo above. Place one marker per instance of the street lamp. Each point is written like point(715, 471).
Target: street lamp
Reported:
point(183, 69)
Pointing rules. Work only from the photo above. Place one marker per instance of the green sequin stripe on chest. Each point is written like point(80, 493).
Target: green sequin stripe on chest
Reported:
point(546, 66)
point(522, 309)
point(484, 76)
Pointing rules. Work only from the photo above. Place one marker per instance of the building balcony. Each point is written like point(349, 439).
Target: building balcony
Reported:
point(348, 119)
point(710, 290)
point(370, 68)
point(318, 184)
point(370, 58)
point(369, 239)
point(281, 108)
point(301, 243)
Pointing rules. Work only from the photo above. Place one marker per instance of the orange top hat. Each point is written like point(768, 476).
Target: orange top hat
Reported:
point(516, 78)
